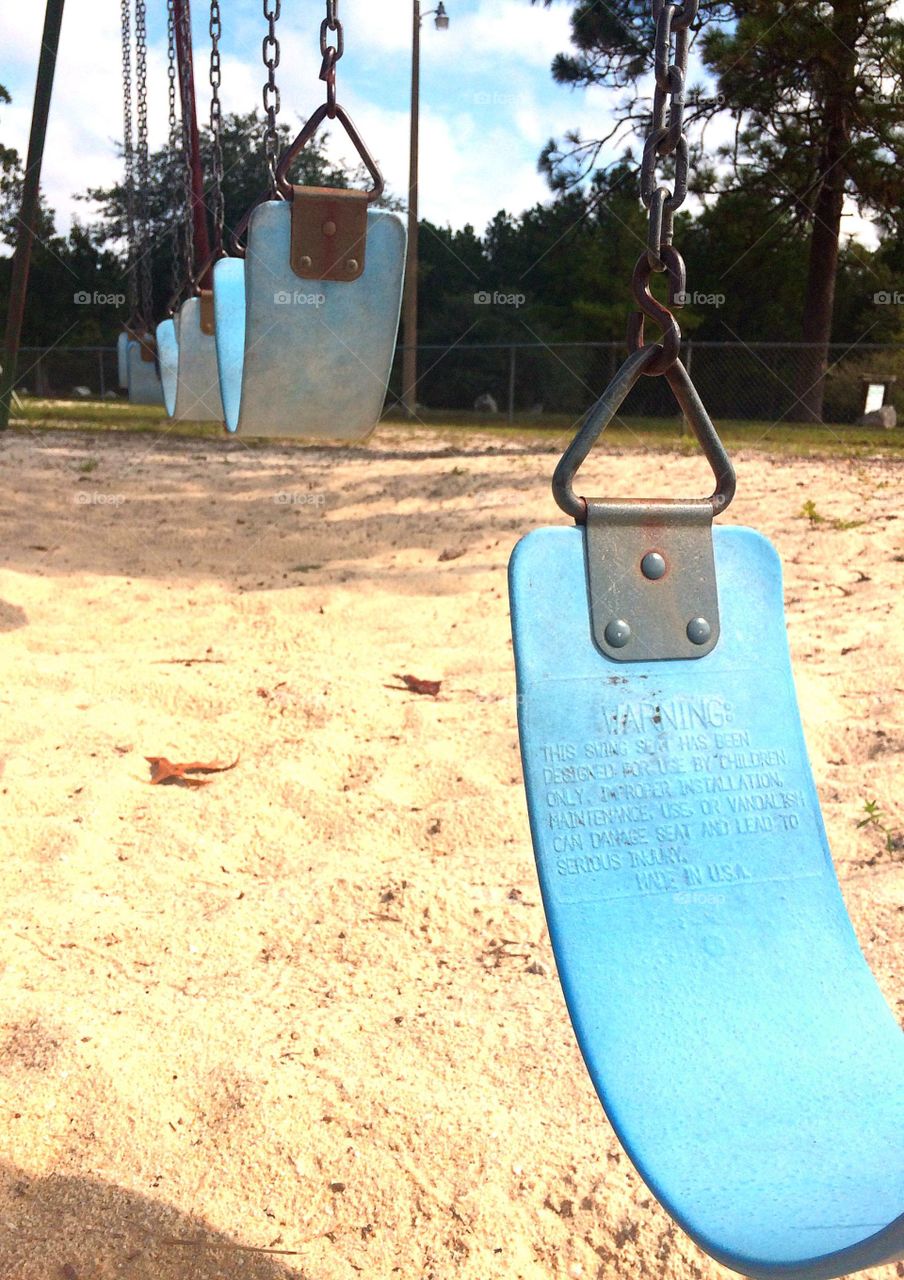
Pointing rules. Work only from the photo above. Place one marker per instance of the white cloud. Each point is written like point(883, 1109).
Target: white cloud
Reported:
point(460, 180)
point(469, 119)
point(86, 110)
point(510, 29)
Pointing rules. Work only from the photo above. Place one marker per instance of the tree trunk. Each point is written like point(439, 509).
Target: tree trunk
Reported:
point(839, 84)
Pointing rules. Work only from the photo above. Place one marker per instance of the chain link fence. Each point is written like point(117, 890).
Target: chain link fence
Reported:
point(68, 373)
point(756, 381)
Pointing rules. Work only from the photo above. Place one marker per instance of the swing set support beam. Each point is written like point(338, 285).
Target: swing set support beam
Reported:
point(30, 207)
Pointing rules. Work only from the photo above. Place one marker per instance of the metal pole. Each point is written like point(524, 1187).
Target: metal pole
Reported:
point(513, 356)
point(100, 370)
point(190, 113)
point(688, 364)
point(409, 353)
point(28, 214)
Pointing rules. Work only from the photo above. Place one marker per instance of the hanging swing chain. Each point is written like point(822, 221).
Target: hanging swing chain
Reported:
point(666, 138)
point(331, 53)
point(128, 153)
point(271, 54)
point(143, 174)
point(216, 126)
point(187, 91)
point(329, 110)
point(176, 278)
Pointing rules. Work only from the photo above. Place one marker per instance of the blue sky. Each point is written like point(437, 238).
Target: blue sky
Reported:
point(488, 99)
point(489, 103)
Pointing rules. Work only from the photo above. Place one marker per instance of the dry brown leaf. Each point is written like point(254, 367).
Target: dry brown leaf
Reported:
point(429, 688)
point(164, 771)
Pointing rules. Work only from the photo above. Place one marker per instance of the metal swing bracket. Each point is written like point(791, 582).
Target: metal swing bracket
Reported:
point(651, 573)
point(329, 233)
point(652, 579)
point(206, 312)
point(329, 225)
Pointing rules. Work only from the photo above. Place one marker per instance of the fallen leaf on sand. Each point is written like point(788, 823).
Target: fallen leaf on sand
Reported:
point(429, 688)
point(163, 771)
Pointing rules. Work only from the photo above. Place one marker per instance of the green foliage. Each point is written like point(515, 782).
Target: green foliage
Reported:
point(780, 72)
point(814, 95)
point(10, 179)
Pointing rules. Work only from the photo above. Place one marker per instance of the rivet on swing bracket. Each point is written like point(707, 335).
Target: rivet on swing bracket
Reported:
point(329, 233)
point(639, 617)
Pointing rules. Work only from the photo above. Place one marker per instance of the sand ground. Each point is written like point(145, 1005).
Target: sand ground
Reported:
point(311, 1009)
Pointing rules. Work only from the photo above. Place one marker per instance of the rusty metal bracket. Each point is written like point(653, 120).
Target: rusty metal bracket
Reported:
point(652, 579)
point(208, 324)
point(329, 233)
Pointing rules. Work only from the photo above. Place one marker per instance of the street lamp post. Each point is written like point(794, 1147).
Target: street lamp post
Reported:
point(409, 352)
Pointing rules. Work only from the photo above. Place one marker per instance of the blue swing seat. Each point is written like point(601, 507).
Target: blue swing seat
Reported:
point(188, 366)
point(122, 360)
point(145, 386)
point(306, 358)
point(736, 1037)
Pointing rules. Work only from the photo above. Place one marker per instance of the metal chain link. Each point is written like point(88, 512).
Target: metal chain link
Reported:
point(216, 124)
point(143, 174)
point(188, 89)
point(331, 53)
point(271, 54)
point(667, 138)
point(176, 276)
point(128, 155)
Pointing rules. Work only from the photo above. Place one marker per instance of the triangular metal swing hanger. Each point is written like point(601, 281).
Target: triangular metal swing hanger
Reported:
point(651, 573)
point(328, 111)
point(608, 405)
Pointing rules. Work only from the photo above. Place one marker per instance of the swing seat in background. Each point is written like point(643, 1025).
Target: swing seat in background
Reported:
point(122, 360)
point(188, 366)
point(308, 358)
point(145, 386)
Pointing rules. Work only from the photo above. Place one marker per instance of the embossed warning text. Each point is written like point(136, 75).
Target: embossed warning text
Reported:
point(672, 795)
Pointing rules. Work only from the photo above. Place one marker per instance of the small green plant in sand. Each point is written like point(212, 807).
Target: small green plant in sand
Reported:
point(875, 819)
point(809, 512)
